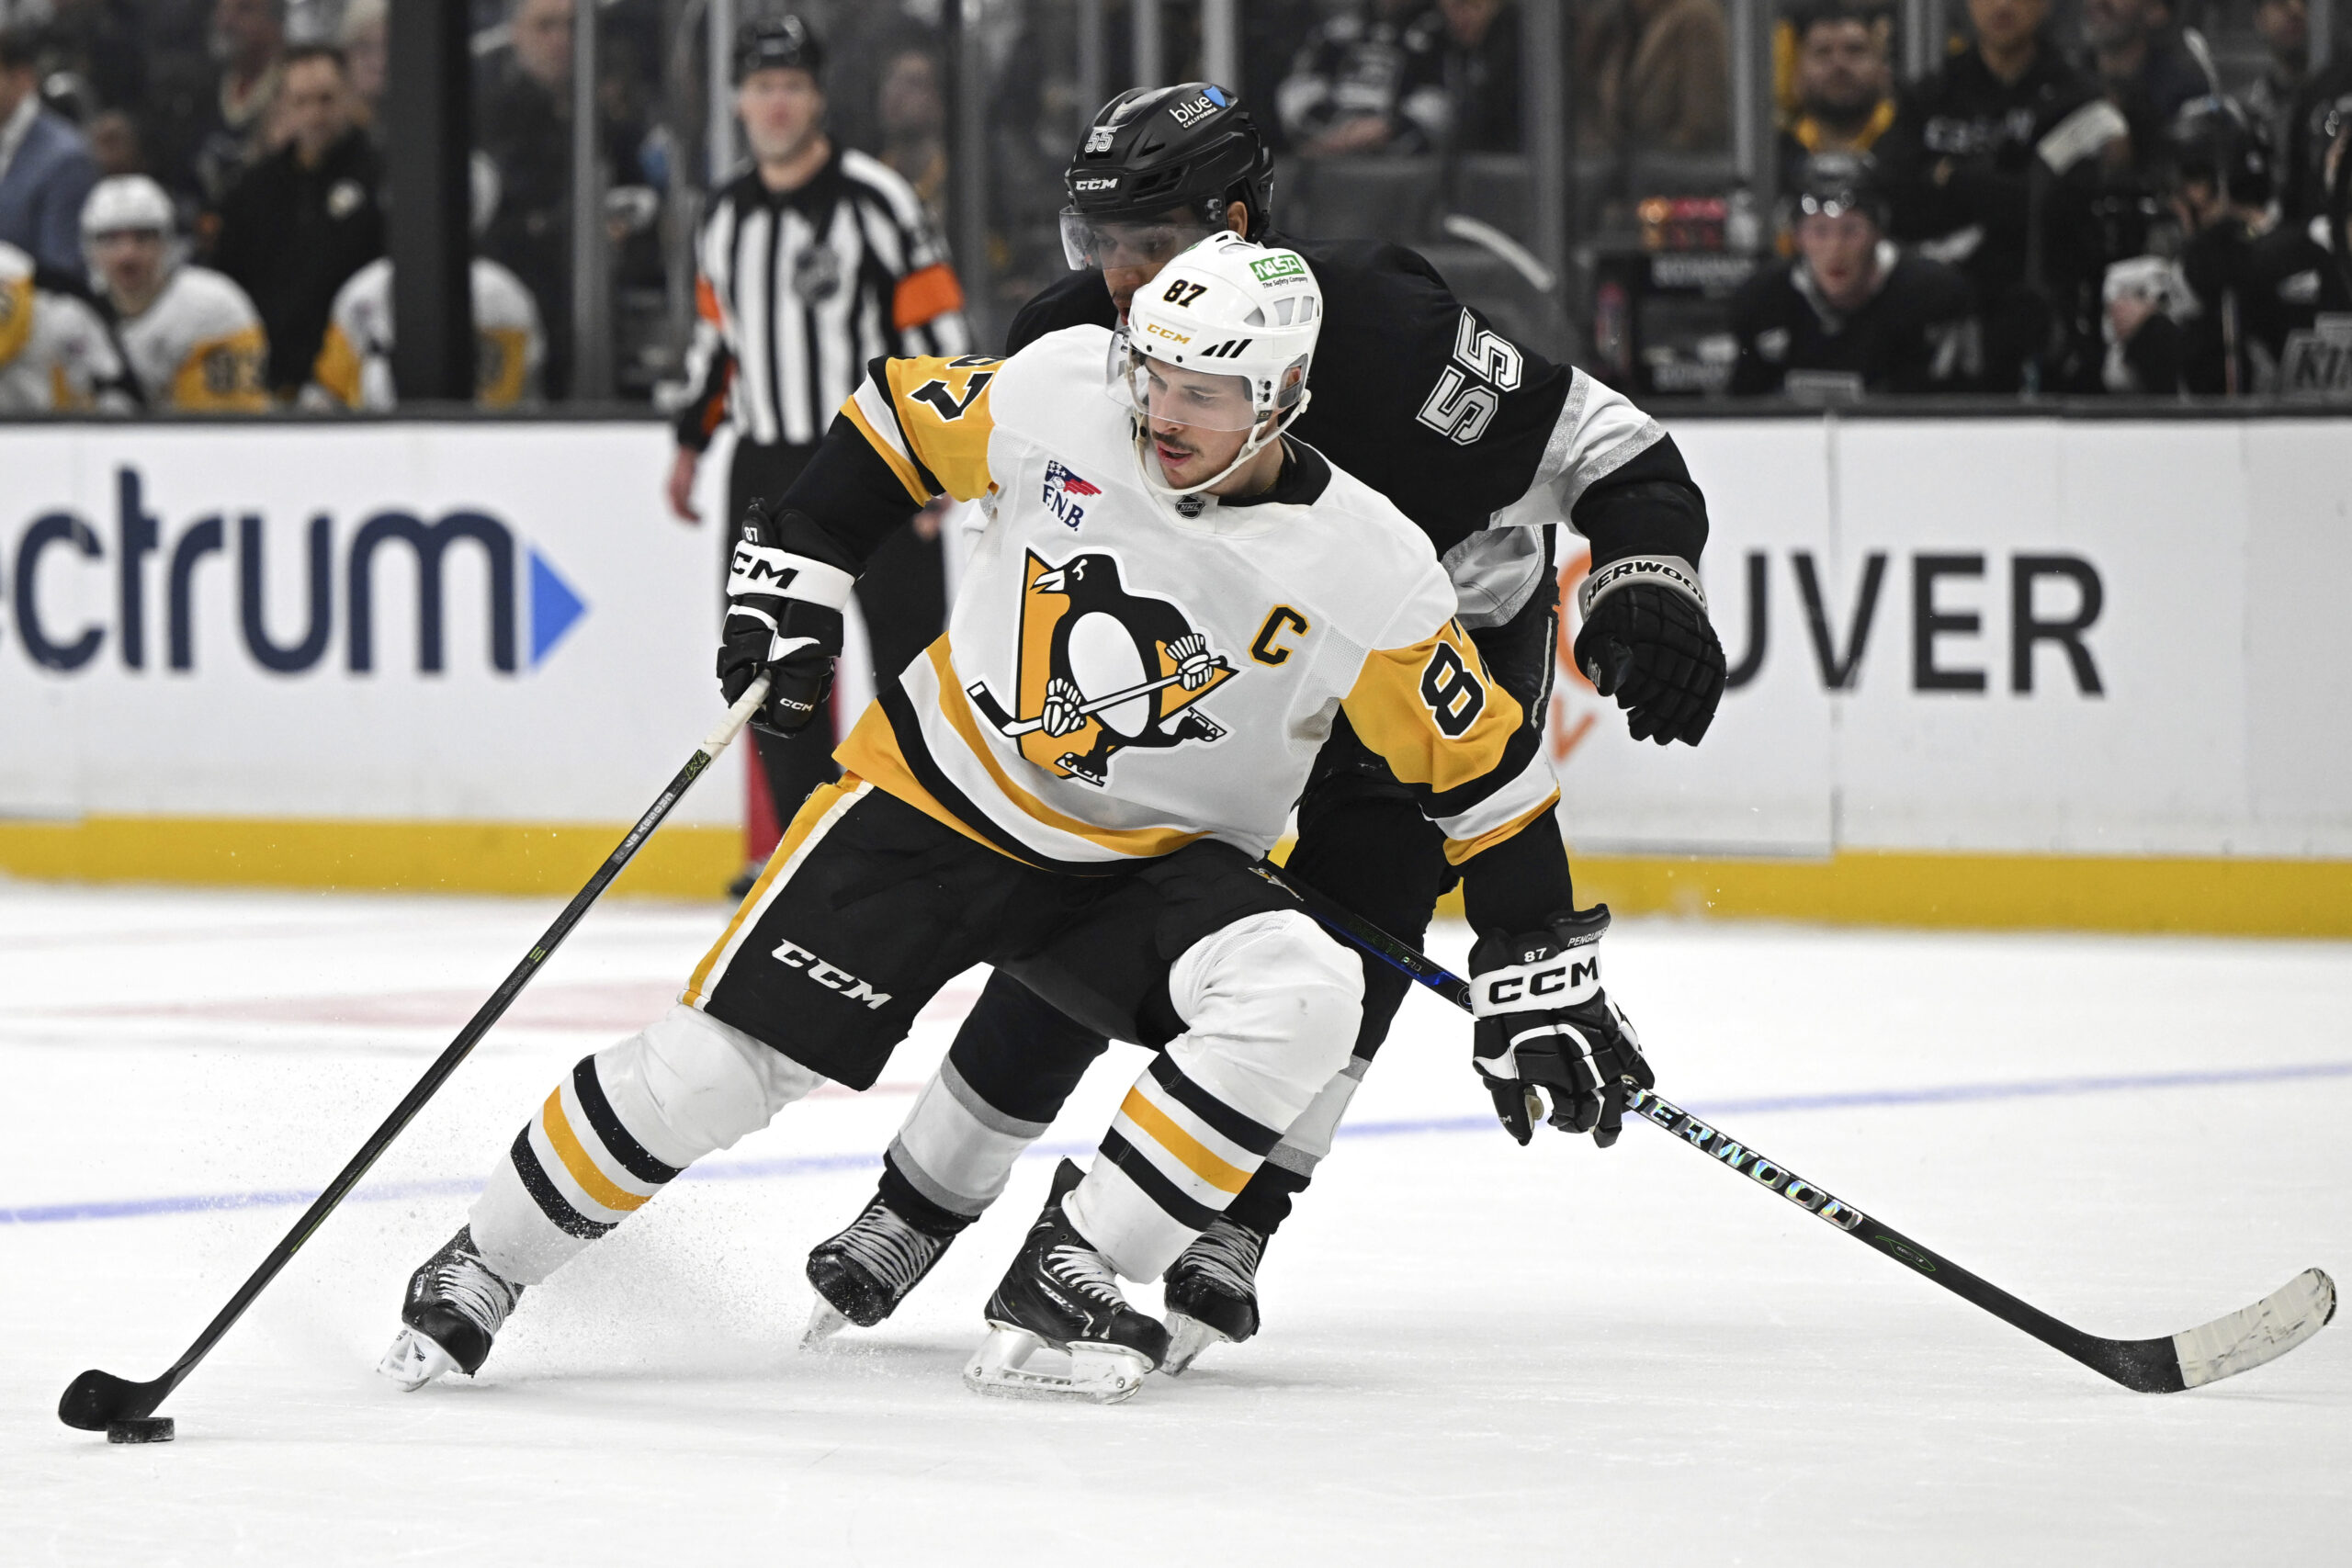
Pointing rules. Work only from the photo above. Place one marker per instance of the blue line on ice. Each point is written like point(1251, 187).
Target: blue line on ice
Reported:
point(809, 1165)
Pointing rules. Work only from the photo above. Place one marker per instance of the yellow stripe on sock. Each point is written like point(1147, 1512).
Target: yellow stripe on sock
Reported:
point(593, 1182)
point(1218, 1172)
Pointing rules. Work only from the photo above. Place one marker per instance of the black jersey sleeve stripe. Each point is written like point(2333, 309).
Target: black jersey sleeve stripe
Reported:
point(1181, 1206)
point(1521, 882)
point(1518, 755)
point(551, 1202)
point(1229, 1123)
point(900, 709)
point(878, 370)
point(617, 1140)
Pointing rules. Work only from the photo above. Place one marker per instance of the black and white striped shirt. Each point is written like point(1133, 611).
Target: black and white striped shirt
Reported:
point(797, 290)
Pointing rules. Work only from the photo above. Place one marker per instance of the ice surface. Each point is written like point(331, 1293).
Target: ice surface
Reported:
point(1472, 1352)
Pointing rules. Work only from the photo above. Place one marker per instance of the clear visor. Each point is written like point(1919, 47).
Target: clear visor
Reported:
point(1173, 394)
point(1101, 243)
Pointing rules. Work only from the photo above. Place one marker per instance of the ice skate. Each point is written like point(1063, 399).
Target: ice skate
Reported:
point(454, 1307)
point(1062, 1295)
point(862, 1274)
point(1213, 1292)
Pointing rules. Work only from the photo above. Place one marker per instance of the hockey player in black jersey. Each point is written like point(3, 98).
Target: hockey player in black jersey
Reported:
point(1482, 445)
point(1852, 312)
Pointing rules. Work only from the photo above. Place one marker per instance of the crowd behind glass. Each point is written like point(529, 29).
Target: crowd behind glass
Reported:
point(2081, 196)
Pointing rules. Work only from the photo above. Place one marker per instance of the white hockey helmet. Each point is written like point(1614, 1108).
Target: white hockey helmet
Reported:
point(130, 203)
point(1224, 307)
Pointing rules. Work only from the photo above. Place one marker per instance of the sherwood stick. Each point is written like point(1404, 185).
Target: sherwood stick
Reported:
point(125, 1411)
point(2223, 1347)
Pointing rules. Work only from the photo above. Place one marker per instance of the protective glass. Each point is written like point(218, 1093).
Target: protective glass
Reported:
point(1123, 242)
point(1173, 394)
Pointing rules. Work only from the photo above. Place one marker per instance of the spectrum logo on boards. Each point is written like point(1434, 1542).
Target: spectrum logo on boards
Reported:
point(159, 629)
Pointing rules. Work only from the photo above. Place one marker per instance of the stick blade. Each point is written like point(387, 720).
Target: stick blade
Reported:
point(2263, 1332)
point(96, 1399)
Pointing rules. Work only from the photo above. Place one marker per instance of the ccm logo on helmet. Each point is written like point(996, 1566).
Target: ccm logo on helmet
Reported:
point(1156, 330)
point(1565, 976)
point(852, 989)
point(1100, 182)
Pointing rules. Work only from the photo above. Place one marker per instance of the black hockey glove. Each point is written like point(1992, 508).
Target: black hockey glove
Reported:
point(785, 587)
point(1545, 1023)
point(1647, 642)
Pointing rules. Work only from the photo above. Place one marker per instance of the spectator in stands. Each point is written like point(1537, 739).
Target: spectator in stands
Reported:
point(101, 42)
point(1482, 74)
point(191, 338)
point(2322, 111)
point(116, 146)
point(2216, 322)
point(1979, 153)
point(524, 122)
point(46, 170)
point(1657, 76)
point(1845, 84)
point(366, 59)
point(913, 113)
point(305, 218)
point(2142, 67)
point(233, 118)
point(1852, 312)
point(2285, 29)
point(1371, 79)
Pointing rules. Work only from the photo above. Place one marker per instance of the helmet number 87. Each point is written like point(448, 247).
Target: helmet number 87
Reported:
point(1469, 390)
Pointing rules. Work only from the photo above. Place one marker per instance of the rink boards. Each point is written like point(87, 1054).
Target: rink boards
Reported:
point(1988, 671)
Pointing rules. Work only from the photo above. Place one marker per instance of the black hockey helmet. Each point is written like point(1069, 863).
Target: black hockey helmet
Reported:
point(2212, 140)
point(1152, 151)
point(1842, 182)
point(769, 43)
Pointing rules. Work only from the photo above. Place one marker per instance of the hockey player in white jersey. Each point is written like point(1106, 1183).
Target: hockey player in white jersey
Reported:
point(55, 351)
point(1170, 607)
point(355, 364)
point(353, 369)
point(193, 339)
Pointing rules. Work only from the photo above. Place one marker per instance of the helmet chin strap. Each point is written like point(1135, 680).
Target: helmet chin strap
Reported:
point(1154, 478)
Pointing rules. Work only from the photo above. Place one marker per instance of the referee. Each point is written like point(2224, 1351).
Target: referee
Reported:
point(811, 263)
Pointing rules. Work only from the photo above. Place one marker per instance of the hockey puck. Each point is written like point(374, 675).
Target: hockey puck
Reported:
point(140, 1429)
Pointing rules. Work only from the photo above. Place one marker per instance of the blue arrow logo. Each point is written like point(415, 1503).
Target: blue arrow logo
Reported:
point(554, 608)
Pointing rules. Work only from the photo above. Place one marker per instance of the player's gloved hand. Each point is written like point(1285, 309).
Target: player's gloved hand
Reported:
point(1545, 1024)
point(1646, 641)
point(1063, 712)
point(1190, 653)
point(785, 586)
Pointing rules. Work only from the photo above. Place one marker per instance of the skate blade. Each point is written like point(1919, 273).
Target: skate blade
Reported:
point(1187, 1337)
point(414, 1360)
point(825, 1320)
point(1097, 1374)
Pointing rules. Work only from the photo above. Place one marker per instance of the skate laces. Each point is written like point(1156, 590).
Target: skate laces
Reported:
point(460, 1278)
point(1227, 1256)
point(887, 1247)
point(1085, 1271)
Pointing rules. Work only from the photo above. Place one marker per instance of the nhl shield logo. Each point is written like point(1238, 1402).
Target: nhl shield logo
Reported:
point(1102, 669)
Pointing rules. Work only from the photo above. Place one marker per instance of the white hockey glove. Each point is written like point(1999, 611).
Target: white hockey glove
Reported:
point(785, 587)
point(1545, 1024)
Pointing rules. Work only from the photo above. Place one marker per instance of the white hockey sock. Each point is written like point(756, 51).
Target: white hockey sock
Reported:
point(955, 1148)
point(617, 1131)
point(1270, 1007)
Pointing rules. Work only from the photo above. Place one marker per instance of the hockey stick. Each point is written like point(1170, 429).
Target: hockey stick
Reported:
point(1009, 727)
point(96, 1400)
point(2223, 1347)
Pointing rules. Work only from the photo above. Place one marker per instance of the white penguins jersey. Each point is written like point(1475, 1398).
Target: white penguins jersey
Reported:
point(55, 351)
point(198, 346)
point(355, 364)
point(1119, 678)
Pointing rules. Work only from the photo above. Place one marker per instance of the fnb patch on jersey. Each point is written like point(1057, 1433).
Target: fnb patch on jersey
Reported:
point(1062, 492)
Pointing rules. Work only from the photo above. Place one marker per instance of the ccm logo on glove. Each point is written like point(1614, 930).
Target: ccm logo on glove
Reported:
point(1555, 980)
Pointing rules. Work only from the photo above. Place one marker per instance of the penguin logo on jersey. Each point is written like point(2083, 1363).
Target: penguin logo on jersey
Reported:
point(1102, 669)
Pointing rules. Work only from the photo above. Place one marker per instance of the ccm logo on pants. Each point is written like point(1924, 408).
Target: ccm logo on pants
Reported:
point(1552, 982)
point(824, 974)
